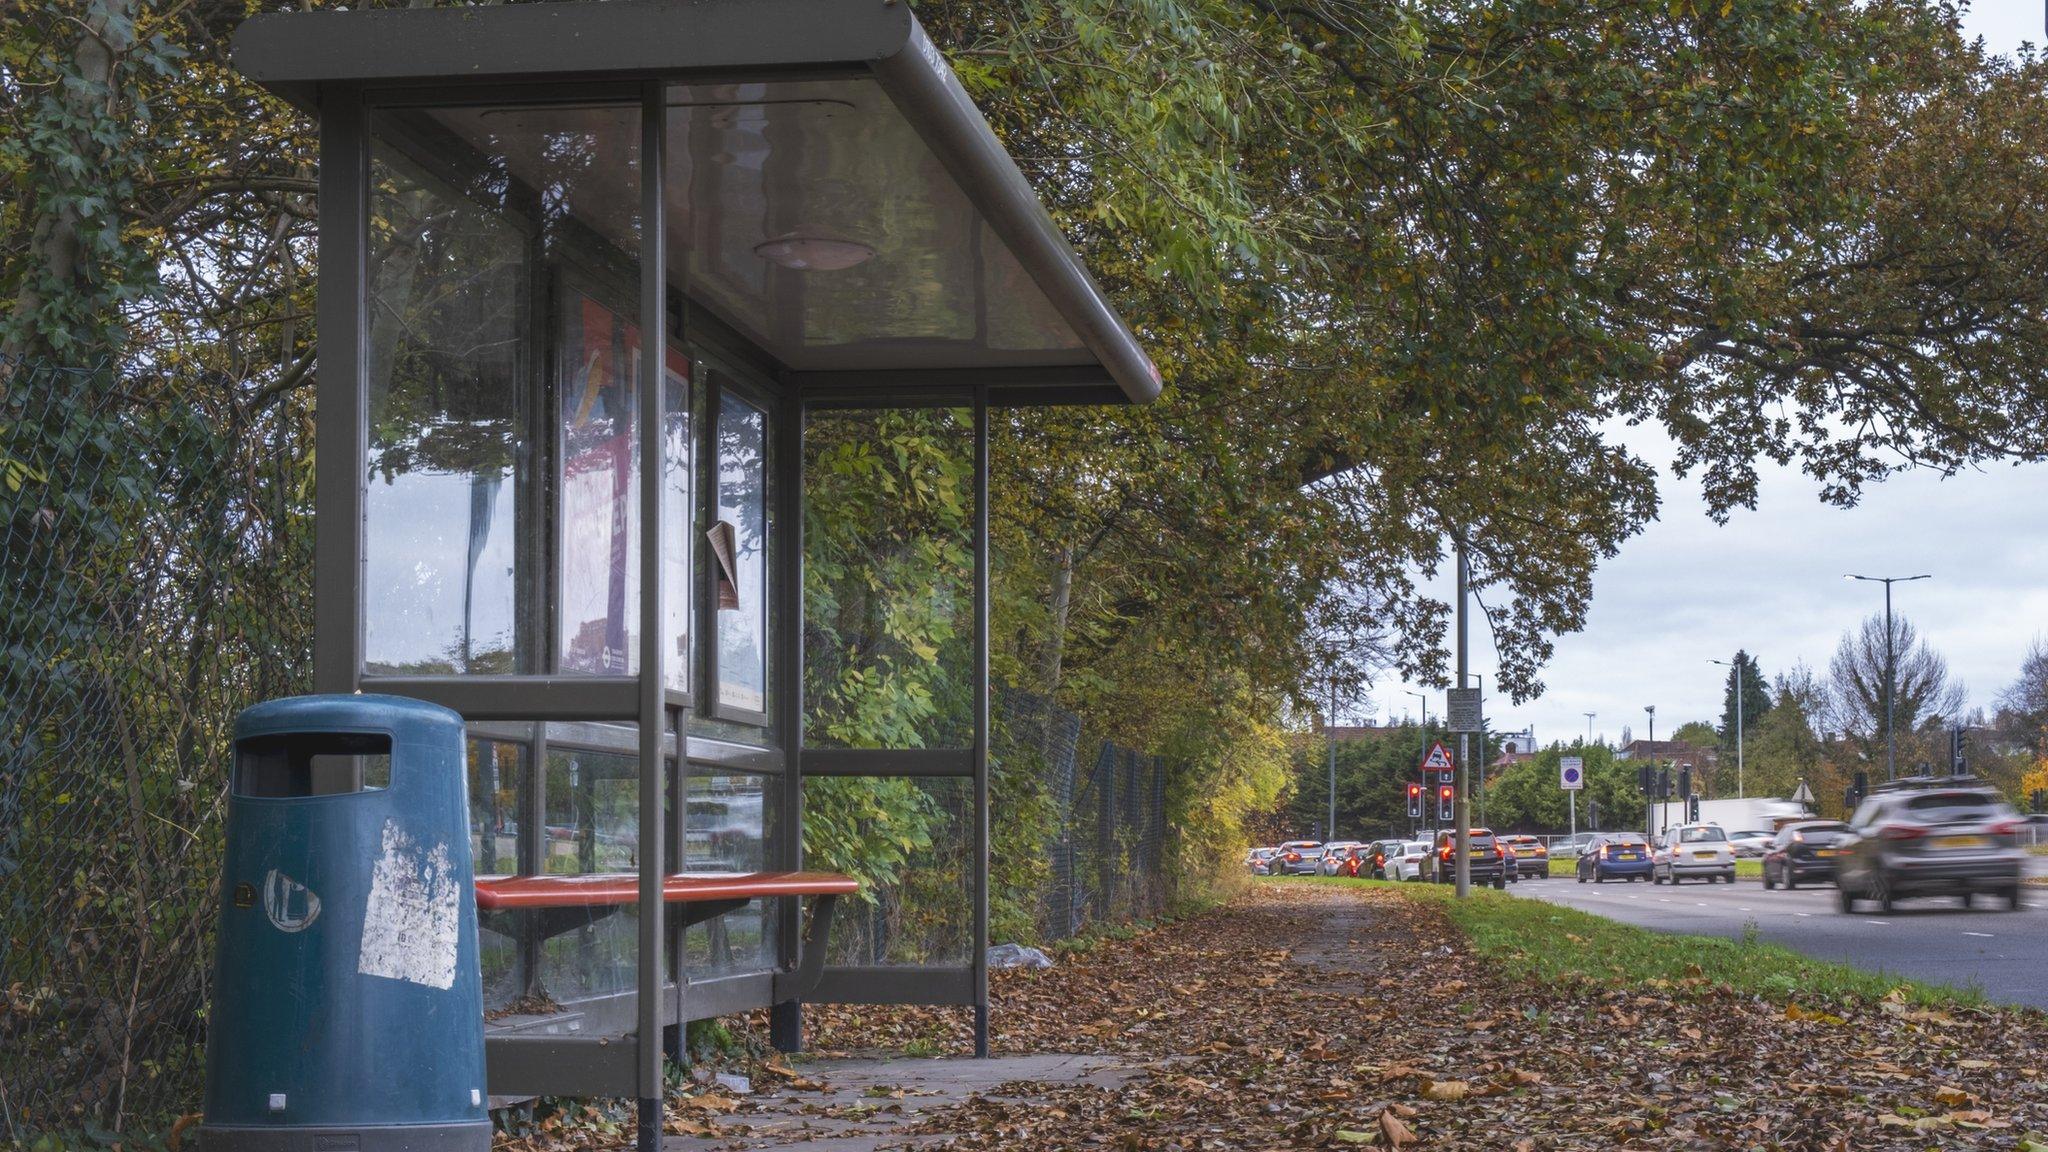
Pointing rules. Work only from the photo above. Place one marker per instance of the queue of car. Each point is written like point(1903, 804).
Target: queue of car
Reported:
point(1917, 837)
point(1496, 860)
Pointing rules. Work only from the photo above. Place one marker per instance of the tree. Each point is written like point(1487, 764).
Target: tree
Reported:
point(1922, 692)
point(1373, 773)
point(2022, 716)
point(1784, 747)
point(1756, 700)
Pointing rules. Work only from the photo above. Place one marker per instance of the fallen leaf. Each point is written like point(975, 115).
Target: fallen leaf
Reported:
point(1952, 1096)
point(1446, 1090)
point(1394, 1130)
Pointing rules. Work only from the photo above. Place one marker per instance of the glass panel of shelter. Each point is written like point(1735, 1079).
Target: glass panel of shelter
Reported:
point(501, 517)
point(503, 353)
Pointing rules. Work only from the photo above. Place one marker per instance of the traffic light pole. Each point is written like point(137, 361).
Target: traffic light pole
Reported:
point(1464, 804)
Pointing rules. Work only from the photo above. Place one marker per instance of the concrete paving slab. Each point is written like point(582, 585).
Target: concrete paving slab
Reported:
point(860, 1103)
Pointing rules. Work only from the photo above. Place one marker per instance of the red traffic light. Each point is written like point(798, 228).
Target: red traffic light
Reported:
point(1414, 791)
point(1444, 793)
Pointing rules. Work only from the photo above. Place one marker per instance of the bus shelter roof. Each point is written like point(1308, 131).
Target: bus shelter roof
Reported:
point(835, 196)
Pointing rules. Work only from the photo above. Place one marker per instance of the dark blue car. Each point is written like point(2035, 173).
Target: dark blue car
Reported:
point(1615, 856)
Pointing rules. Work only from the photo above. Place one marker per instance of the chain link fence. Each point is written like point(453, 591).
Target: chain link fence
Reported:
point(1106, 856)
point(155, 579)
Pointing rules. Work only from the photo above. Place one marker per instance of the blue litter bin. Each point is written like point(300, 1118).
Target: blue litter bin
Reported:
point(347, 1000)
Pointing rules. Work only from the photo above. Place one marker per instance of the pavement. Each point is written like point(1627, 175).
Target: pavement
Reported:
point(863, 1104)
point(1931, 939)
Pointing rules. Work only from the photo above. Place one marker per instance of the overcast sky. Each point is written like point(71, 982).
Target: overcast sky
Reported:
point(1687, 591)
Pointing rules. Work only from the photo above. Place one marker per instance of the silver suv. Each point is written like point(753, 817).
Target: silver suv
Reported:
point(1928, 839)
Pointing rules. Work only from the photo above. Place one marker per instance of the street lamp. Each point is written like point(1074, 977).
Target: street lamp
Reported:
point(1738, 721)
point(1330, 731)
point(1589, 728)
point(1481, 761)
point(1425, 708)
point(1649, 810)
point(1891, 751)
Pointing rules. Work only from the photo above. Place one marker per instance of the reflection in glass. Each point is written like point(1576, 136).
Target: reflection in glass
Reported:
point(678, 525)
point(496, 770)
point(468, 208)
point(726, 831)
point(592, 803)
point(743, 504)
point(600, 512)
point(889, 578)
point(448, 310)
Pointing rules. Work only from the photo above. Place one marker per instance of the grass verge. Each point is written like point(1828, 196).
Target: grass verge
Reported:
point(1536, 940)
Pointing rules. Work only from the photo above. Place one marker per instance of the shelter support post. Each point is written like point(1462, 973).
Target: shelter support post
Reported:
point(653, 694)
point(340, 424)
point(786, 1017)
point(981, 722)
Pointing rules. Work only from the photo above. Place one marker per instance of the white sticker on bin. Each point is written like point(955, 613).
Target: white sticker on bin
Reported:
point(412, 920)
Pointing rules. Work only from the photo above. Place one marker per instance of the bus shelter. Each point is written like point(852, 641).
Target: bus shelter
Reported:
point(609, 295)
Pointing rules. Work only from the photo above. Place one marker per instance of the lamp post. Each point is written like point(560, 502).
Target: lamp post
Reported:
point(1738, 719)
point(1572, 796)
point(1330, 731)
point(1480, 761)
point(1649, 812)
point(1891, 751)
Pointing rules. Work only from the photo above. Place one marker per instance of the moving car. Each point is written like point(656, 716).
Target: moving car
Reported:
point(1488, 859)
point(1929, 838)
point(1804, 851)
point(1298, 858)
point(1259, 860)
point(1616, 856)
point(1408, 862)
point(1532, 859)
point(1336, 860)
point(1751, 843)
point(1693, 850)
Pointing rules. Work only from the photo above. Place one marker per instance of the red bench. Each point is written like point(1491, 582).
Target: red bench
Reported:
point(495, 893)
point(548, 906)
point(565, 903)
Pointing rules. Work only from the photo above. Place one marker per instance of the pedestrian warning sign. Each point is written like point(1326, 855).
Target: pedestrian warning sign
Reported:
point(1438, 759)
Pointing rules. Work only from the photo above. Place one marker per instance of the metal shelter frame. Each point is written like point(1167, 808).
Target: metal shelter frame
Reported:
point(344, 67)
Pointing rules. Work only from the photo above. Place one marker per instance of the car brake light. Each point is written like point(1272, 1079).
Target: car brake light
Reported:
point(1499, 851)
point(1901, 832)
point(2006, 827)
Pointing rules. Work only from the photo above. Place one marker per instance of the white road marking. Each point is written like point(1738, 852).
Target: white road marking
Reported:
point(1802, 914)
point(1985, 935)
point(1879, 923)
point(1740, 908)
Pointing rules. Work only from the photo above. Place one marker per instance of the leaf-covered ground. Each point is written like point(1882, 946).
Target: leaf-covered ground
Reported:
point(1315, 1016)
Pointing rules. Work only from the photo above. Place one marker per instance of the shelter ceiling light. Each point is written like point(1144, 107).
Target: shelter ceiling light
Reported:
point(809, 252)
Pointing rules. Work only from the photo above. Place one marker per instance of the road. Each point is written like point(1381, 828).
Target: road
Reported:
point(1931, 939)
